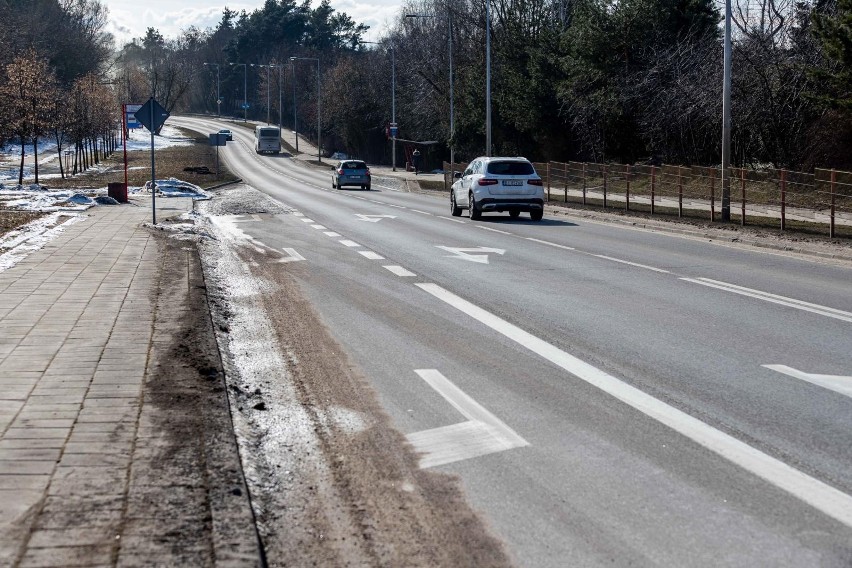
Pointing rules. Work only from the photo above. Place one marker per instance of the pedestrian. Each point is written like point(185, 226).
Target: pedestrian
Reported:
point(415, 161)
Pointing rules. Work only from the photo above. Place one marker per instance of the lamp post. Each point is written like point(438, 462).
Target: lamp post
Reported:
point(245, 88)
point(218, 96)
point(319, 103)
point(393, 102)
point(267, 88)
point(452, 99)
point(295, 105)
point(726, 117)
point(488, 78)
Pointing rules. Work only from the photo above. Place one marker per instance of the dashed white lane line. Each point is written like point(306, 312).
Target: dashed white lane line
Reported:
point(348, 243)
point(637, 265)
point(297, 214)
point(374, 201)
point(451, 219)
point(371, 255)
point(356, 197)
point(484, 228)
point(775, 299)
point(331, 234)
point(318, 227)
point(306, 220)
point(399, 271)
point(396, 206)
point(421, 212)
point(548, 243)
point(817, 494)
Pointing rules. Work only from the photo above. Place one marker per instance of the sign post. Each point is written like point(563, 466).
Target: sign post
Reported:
point(152, 115)
point(218, 139)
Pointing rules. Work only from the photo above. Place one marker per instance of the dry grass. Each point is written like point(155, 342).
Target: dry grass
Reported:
point(11, 219)
point(170, 162)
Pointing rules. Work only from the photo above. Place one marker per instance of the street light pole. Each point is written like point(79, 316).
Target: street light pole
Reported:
point(393, 101)
point(218, 96)
point(295, 117)
point(245, 89)
point(319, 103)
point(267, 88)
point(488, 77)
point(726, 118)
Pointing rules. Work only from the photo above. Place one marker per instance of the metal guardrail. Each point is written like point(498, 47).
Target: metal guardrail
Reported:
point(774, 197)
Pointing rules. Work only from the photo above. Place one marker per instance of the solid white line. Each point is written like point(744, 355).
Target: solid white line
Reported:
point(347, 243)
point(371, 255)
point(767, 297)
point(548, 243)
point(319, 227)
point(421, 212)
point(819, 495)
point(631, 263)
point(837, 383)
point(399, 271)
point(484, 228)
point(450, 219)
point(331, 234)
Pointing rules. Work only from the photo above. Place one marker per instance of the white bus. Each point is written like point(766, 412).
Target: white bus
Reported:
point(267, 139)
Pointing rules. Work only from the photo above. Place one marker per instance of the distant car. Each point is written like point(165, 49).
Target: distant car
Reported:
point(498, 184)
point(339, 156)
point(228, 135)
point(351, 172)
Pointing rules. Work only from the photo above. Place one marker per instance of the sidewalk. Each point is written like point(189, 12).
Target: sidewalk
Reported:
point(103, 458)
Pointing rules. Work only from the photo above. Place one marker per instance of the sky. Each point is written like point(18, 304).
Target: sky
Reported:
point(130, 18)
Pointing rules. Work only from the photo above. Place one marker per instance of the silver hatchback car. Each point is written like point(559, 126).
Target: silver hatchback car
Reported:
point(351, 172)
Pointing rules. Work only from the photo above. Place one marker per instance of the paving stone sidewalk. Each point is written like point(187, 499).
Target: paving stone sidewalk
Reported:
point(83, 477)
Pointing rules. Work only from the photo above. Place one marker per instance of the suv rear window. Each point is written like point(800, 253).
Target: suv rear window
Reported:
point(354, 166)
point(511, 168)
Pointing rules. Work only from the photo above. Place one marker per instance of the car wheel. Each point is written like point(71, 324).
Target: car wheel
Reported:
point(537, 214)
point(368, 187)
point(455, 210)
point(472, 211)
point(514, 214)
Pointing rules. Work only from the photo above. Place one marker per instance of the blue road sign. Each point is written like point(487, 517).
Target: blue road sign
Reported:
point(244, 106)
point(160, 115)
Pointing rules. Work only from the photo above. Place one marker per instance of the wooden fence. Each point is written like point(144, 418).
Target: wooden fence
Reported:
point(773, 197)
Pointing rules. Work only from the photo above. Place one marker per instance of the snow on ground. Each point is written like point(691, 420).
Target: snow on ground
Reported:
point(140, 139)
point(16, 245)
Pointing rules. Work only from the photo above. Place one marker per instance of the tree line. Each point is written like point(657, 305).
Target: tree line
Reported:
point(54, 55)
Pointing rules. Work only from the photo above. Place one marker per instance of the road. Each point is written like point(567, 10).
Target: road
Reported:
point(607, 395)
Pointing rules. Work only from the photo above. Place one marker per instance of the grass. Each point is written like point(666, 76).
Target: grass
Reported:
point(170, 162)
point(11, 219)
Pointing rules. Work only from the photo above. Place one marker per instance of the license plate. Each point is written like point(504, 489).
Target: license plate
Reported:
point(513, 182)
point(355, 177)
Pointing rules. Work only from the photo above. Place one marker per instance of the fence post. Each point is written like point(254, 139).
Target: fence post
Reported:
point(712, 195)
point(584, 183)
point(680, 191)
point(833, 188)
point(742, 190)
point(604, 185)
point(627, 195)
point(566, 182)
point(445, 175)
point(783, 199)
point(547, 169)
point(653, 186)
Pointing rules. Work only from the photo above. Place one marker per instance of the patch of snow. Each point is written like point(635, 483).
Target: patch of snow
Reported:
point(140, 139)
point(16, 245)
point(38, 198)
point(174, 187)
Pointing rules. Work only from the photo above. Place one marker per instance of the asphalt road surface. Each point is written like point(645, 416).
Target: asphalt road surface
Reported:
point(607, 395)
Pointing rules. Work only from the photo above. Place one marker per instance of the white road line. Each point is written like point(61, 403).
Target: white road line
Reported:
point(356, 197)
point(548, 243)
point(292, 256)
point(331, 234)
point(819, 495)
point(421, 212)
point(397, 206)
point(484, 228)
point(631, 263)
point(319, 227)
point(349, 243)
point(306, 220)
point(374, 201)
point(256, 217)
point(482, 434)
point(838, 383)
point(450, 219)
point(399, 271)
point(371, 255)
point(297, 214)
point(385, 187)
point(775, 299)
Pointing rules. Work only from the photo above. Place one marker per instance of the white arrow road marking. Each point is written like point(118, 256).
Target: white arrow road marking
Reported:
point(292, 256)
point(482, 434)
point(823, 497)
point(373, 218)
point(462, 253)
point(775, 299)
point(837, 383)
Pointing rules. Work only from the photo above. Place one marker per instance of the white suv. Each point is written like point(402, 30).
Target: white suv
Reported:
point(498, 184)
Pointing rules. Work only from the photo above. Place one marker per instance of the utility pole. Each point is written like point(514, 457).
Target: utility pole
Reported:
point(726, 118)
point(218, 96)
point(295, 114)
point(319, 104)
point(488, 77)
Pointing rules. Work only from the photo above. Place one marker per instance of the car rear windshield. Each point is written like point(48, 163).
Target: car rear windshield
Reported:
point(510, 168)
point(268, 132)
point(354, 166)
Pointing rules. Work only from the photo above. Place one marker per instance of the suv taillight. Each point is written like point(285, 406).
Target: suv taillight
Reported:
point(487, 181)
point(368, 173)
point(534, 182)
point(340, 172)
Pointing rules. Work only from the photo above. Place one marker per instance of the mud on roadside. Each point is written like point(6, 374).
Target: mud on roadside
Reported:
point(332, 482)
